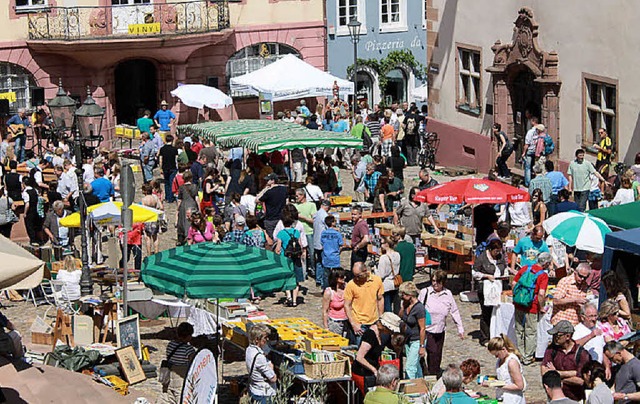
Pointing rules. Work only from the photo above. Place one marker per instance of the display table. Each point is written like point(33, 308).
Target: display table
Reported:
point(348, 388)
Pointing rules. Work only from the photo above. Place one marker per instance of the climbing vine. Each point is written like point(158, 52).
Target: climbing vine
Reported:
point(397, 58)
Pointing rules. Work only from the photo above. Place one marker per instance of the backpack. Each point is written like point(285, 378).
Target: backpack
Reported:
point(40, 207)
point(367, 142)
point(549, 146)
point(400, 128)
point(411, 126)
point(294, 249)
point(524, 291)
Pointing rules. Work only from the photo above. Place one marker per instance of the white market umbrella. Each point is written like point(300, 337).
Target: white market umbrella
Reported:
point(109, 213)
point(578, 229)
point(420, 93)
point(200, 96)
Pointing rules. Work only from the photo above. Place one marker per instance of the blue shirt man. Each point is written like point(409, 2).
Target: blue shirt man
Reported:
point(18, 133)
point(332, 240)
point(102, 187)
point(164, 117)
point(529, 248)
point(340, 126)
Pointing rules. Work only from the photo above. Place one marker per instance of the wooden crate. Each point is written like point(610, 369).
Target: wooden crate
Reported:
point(40, 338)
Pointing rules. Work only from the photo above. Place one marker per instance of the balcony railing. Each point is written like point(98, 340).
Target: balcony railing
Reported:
point(129, 21)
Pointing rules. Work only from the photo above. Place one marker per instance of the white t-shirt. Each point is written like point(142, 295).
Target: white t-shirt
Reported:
point(314, 193)
point(71, 282)
point(595, 346)
point(519, 213)
point(249, 202)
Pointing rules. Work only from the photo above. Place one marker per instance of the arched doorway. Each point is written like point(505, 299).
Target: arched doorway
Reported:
point(526, 102)
point(364, 87)
point(135, 82)
point(396, 89)
point(525, 82)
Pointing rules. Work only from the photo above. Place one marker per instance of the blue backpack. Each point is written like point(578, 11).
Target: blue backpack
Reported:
point(524, 291)
point(549, 146)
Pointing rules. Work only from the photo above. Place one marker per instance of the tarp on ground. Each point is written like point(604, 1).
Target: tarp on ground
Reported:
point(19, 269)
point(625, 216)
point(290, 78)
point(262, 136)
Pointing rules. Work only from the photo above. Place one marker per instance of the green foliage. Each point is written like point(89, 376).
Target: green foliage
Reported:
point(397, 58)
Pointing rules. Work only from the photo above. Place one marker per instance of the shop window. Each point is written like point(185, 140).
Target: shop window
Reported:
point(16, 80)
point(365, 87)
point(600, 103)
point(396, 90)
point(469, 72)
point(393, 15)
point(255, 57)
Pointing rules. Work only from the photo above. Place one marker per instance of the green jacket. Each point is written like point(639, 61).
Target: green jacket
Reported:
point(382, 395)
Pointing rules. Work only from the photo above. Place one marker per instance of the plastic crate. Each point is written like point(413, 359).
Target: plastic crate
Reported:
point(340, 200)
point(119, 385)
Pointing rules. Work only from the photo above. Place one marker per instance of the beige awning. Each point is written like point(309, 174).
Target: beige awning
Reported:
point(19, 269)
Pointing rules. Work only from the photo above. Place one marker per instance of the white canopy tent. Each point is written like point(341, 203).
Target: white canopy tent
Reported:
point(420, 93)
point(290, 78)
point(200, 96)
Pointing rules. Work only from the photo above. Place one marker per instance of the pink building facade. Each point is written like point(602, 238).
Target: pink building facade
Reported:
point(128, 73)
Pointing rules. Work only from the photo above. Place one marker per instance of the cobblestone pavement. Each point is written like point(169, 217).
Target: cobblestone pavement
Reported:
point(156, 334)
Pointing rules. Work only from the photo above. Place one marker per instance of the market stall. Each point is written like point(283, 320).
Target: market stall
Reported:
point(621, 254)
point(290, 78)
point(625, 217)
point(264, 136)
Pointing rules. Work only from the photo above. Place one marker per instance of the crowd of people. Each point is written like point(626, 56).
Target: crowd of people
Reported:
point(240, 197)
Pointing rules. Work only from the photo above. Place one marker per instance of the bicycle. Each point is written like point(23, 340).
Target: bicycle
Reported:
point(429, 143)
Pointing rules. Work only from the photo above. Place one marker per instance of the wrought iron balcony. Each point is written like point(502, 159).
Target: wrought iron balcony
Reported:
point(129, 21)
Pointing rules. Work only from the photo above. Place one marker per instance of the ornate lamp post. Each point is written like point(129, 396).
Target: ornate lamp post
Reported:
point(354, 32)
point(62, 109)
point(86, 139)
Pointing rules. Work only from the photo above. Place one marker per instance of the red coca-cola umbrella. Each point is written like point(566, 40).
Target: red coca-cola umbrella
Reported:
point(472, 191)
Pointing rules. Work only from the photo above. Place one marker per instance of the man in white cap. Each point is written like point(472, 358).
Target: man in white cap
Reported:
point(529, 148)
point(164, 118)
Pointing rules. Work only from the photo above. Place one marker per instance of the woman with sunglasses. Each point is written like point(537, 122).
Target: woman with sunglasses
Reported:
point(538, 207)
point(612, 325)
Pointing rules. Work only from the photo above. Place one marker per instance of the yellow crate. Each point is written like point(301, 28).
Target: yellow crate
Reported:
point(340, 200)
point(128, 133)
point(119, 130)
point(329, 344)
point(136, 133)
point(119, 385)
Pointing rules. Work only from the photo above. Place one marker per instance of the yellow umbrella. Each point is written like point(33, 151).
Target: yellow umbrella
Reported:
point(109, 213)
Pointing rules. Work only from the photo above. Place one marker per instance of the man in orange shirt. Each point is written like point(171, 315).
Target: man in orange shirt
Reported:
point(363, 301)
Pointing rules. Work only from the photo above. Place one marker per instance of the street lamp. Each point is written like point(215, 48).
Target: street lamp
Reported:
point(63, 109)
point(86, 139)
point(354, 32)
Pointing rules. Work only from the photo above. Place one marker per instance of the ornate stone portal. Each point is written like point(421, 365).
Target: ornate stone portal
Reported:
point(524, 55)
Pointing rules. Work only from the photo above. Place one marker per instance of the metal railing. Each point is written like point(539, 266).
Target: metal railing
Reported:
point(129, 21)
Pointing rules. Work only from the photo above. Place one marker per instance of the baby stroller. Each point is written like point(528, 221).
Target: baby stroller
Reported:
point(429, 143)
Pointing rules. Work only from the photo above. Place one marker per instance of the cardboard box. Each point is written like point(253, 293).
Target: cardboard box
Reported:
point(40, 338)
point(413, 386)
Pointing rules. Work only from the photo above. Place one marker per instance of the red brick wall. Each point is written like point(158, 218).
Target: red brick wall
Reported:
point(461, 147)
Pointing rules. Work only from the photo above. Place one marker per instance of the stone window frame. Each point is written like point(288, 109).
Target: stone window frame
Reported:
point(361, 13)
point(16, 78)
point(395, 26)
point(462, 105)
point(30, 7)
point(589, 138)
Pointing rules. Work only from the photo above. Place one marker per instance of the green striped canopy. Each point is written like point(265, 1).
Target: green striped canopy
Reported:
point(262, 136)
point(217, 270)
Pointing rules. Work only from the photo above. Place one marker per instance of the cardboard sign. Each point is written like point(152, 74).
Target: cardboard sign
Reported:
point(201, 384)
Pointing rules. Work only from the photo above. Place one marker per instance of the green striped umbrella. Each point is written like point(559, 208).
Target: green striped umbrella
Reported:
point(217, 270)
point(262, 136)
point(578, 229)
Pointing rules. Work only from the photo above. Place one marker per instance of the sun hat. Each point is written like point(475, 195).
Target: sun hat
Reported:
point(391, 321)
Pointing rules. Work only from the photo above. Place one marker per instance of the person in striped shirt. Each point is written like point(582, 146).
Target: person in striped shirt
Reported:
point(180, 353)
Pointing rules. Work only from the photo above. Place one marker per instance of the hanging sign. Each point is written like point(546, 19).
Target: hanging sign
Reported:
point(10, 96)
point(144, 29)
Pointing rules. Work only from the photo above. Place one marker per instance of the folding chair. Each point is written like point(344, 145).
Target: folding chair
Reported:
point(61, 299)
point(41, 294)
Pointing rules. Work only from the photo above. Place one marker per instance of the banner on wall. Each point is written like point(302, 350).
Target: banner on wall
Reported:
point(201, 384)
point(10, 96)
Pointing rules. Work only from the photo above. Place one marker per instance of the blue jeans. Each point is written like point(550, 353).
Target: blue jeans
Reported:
point(553, 204)
point(168, 181)
point(528, 164)
point(389, 297)
point(19, 147)
point(147, 171)
point(357, 338)
point(260, 399)
point(321, 277)
point(412, 365)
